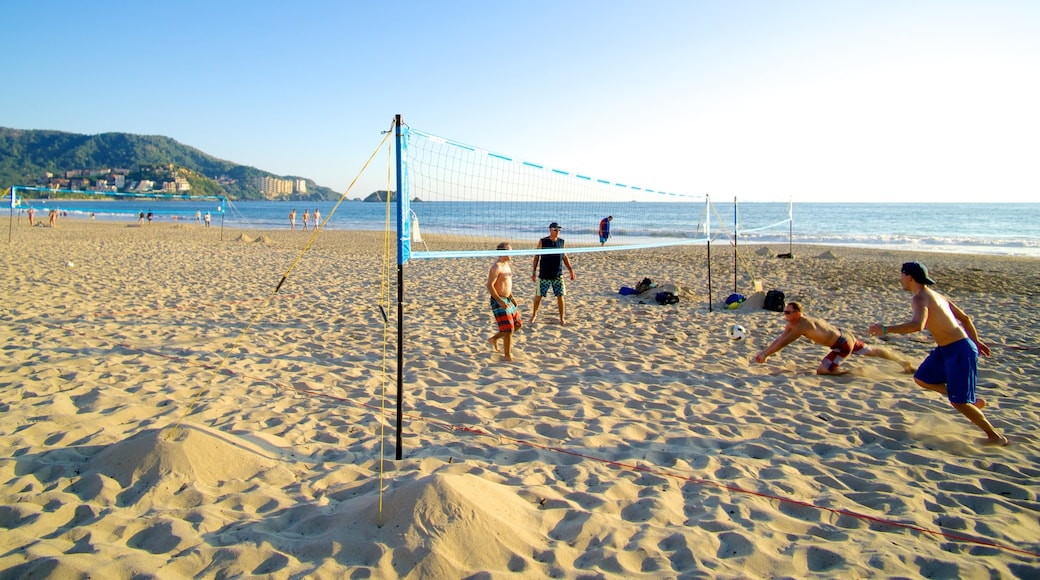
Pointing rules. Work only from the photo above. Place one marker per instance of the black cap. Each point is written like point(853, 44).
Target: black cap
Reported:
point(918, 272)
point(554, 226)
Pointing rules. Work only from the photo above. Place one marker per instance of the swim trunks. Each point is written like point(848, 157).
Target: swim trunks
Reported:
point(841, 349)
point(956, 365)
point(557, 285)
point(508, 318)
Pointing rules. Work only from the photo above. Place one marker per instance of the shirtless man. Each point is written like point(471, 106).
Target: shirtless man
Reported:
point(500, 285)
point(841, 342)
point(952, 367)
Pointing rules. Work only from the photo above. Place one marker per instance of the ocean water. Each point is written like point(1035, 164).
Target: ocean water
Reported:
point(976, 228)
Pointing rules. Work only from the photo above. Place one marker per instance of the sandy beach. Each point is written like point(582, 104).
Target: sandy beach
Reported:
point(167, 414)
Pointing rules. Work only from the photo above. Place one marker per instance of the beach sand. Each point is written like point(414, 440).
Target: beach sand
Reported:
point(166, 414)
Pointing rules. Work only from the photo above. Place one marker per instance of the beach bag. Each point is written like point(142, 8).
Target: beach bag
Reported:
point(666, 298)
point(626, 291)
point(774, 301)
point(645, 285)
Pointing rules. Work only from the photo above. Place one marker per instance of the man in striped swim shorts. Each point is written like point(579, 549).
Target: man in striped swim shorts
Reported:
point(500, 285)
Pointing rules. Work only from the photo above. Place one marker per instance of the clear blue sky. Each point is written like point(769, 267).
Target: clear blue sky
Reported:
point(818, 100)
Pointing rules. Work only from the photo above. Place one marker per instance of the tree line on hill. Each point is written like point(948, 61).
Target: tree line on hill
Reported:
point(26, 156)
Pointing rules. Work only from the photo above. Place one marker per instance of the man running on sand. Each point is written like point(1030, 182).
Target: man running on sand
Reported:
point(841, 342)
point(952, 367)
point(500, 285)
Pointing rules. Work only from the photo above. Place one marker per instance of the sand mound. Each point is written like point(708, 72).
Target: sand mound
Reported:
point(763, 251)
point(432, 522)
point(264, 240)
point(192, 454)
point(828, 255)
point(246, 238)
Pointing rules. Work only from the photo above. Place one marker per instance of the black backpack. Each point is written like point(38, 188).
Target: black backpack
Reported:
point(774, 301)
point(666, 298)
point(645, 285)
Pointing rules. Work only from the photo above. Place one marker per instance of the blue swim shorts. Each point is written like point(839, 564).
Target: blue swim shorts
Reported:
point(956, 366)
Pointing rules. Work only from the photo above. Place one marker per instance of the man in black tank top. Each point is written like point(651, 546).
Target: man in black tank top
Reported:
point(548, 272)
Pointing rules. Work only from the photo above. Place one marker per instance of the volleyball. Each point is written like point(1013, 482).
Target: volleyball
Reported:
point(737, 332)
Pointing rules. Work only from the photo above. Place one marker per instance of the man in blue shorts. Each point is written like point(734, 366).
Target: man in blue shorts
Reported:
point(548, 271)
point(952, 367)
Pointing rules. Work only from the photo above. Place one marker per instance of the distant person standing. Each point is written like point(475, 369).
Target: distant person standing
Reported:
point(503, 306)
point(951, 368)
point(198, 216)
point(604, 229)
point(207, 219)
point(306, 218)
point(149, 216)
point(292, 219)
point(32, 215)
point(140, 218)
point(52, 217)
point(317, 218)
point(548, 270)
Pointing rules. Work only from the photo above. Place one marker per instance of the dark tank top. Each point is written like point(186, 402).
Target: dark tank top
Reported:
point(550, 266)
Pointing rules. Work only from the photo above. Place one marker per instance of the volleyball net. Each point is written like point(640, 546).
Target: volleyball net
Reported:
point(460, 200)
point(114, 203)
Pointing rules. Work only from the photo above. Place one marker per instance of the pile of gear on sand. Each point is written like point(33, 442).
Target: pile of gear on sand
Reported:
point(647, 291)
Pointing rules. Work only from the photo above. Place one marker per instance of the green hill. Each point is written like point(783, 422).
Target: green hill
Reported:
point(26, 156)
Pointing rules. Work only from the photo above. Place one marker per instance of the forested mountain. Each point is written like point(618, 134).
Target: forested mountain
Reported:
point(26, 156)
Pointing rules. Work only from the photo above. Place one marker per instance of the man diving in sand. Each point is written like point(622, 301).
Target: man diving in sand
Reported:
point(841, 342)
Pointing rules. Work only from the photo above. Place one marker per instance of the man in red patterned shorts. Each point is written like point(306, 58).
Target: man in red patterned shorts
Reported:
point(500, 285)
point(841, 342)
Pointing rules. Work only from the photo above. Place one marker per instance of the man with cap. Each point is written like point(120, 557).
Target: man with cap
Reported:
point(952, 367)
point(548, 271)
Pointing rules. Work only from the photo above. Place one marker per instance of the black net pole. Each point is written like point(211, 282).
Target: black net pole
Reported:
point(400, 306)
point(709, 274)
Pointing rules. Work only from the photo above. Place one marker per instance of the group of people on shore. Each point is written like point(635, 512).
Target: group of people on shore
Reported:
point(306, 219)
point(52, 217)
point(951, 368)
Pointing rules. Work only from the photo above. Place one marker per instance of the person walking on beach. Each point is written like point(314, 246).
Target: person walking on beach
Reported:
point(292, 219)
point(841, 342)
point(604, 229)
point(306, 218)
point(951, 368)
point(548, 271)
point(503, 306)
point(317, 218)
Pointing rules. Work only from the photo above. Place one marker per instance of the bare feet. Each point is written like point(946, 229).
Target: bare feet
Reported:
point(909, 368)
point(494, 344)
